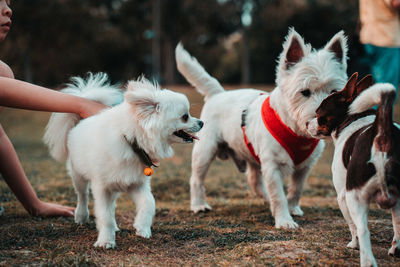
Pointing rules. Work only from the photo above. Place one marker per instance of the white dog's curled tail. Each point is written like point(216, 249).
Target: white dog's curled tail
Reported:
point(370, 97)
point(195, 74)
point(95, 87)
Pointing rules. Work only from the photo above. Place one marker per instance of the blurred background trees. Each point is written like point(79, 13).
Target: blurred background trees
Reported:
point(237, 41)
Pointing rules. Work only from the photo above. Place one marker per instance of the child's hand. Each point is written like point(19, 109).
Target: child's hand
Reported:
point(91, 108)
point(51, 209)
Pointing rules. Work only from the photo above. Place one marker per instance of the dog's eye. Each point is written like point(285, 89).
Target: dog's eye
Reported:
point(306, 93)
point(333, 91)
point(185, 118)
point(322, 120)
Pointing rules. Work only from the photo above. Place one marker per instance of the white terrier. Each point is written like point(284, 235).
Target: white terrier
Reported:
point(277, 143)
point(112, 148)
point(365, 166)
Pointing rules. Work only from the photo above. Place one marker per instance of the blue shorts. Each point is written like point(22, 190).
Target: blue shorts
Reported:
point(384, 63)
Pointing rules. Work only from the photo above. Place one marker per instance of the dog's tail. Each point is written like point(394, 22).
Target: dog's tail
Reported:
point(371, 97)
point(95, 87)
point(384, 121)
point(195, 74)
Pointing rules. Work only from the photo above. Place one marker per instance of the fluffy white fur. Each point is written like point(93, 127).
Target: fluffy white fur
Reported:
point(300, 68)
point(98, 150)
point(371, 97)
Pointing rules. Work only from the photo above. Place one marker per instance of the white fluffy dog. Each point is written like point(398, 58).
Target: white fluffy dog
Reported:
point(112, 148)
point(273, 149)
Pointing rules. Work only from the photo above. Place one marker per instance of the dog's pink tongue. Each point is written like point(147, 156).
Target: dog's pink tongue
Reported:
point(195, 137)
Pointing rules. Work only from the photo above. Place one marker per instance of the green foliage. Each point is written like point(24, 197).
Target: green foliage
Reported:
point(51, 40)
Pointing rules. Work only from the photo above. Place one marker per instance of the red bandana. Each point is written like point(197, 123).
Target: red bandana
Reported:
point(298, 147)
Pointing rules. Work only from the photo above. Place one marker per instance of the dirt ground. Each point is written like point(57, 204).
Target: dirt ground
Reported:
point(239, 231)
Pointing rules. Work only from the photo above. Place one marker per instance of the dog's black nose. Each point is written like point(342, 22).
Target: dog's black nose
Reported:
point(201, 124)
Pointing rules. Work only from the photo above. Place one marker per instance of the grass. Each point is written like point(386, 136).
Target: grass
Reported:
point(238, 231)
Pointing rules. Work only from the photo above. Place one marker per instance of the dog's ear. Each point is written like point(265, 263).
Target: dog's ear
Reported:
point(141, 94)
point(338, 46)
point(143, 103)
point(349, 91)
point(364, 83)
point(293, 49)
point(142, 84)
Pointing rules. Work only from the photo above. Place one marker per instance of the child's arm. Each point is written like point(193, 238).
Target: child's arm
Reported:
point(13, 174)
point(19, 94)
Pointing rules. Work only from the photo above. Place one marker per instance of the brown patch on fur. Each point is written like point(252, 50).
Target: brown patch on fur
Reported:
point(333, 109)
point(349, 146)
point(384, 122)
point(332, 112)
point(385, 136)
point(356, 156)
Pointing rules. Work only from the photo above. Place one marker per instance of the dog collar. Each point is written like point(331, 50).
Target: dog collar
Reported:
point(143, 156)
point(298, 147)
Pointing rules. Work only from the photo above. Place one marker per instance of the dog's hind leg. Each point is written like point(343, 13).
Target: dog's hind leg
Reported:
point(341, 198)
point(103, 209)
point(145, 209)
point(203, 154)
point(295, 189)
point(114, 206)
point(278, 203)
point(81, 186)
point(395, 249)
point(358, 209)
point(255, 181)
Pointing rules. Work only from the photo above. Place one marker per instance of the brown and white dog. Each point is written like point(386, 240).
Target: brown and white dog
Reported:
point(366, 163)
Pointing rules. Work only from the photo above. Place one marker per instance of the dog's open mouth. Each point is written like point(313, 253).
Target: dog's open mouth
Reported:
point(188, 138)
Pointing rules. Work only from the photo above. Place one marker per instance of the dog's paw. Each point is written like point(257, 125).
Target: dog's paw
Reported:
point(285, 223)
point(145, 232)
point(81, 217)
point(104, 244)
point(296, 211)
point(394, 251)
point(200, 208)
point(353, 244)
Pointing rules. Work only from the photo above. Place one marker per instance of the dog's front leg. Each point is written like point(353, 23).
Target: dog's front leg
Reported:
point(145, 209)
point(358, 208)
point(105, 220)
point(296, 188)
point(395, 249)
point(278, 203)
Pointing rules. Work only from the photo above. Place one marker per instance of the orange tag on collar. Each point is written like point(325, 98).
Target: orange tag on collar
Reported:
point(148, 171)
